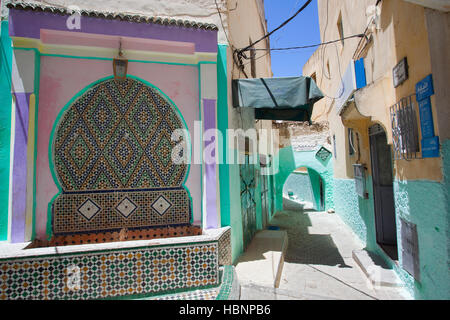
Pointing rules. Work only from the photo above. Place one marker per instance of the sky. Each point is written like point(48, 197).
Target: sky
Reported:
point(302, 30)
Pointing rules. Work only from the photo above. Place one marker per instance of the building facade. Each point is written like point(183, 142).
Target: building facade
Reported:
point(387, 106)
point(96, 101)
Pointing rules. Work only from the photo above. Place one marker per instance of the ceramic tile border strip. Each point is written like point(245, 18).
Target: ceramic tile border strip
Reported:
point(111, 274)
point(230, 288)
point(207, 294)
point(225, 257)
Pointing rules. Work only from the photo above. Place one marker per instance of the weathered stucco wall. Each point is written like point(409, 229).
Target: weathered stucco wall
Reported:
point(420, 186)
point(287, 160)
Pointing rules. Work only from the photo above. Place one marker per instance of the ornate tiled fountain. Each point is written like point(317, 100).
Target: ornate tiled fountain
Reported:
point(122, 220)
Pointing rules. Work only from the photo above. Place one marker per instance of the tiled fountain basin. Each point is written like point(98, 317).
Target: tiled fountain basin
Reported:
point(116, 269)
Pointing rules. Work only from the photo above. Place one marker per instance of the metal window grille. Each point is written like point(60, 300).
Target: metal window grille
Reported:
point(405, 136)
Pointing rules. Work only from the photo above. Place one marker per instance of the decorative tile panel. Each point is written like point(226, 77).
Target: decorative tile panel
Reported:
point(119, 132)
point(225, 257)
point(323, 154)
point(88, 209)
point(113, 273)
point(112, 153)
point(161, 205)
point(117, 210)
point(126, 207)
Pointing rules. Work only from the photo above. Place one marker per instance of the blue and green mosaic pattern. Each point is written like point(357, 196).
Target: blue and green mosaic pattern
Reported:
point(109, 274)
point(112, 153)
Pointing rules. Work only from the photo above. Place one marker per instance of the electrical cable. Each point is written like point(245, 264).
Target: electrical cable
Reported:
point(239, 65)
point(313, 45)
point(240, 51)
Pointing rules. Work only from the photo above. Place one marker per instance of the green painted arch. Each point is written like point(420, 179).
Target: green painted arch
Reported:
point(71, 102)
point(288, 160)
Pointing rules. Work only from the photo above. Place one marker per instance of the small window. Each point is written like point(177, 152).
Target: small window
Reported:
point(340, 28)
point(351, 143)
point(334, 146)
point(405, 131)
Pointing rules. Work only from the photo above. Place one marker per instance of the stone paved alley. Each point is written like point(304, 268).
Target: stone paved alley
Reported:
point(318, 263)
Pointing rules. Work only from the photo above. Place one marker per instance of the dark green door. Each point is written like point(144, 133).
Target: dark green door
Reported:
point(247, 173)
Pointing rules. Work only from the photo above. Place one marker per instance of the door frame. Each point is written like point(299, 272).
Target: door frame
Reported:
point(383, 197)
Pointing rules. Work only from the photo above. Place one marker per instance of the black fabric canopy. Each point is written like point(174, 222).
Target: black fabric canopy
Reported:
point(289, 98)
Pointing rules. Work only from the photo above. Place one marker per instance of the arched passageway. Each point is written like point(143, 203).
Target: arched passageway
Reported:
point(305, 188)
point(319, 167)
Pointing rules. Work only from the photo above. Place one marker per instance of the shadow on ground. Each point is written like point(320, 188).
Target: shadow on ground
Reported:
point(303, 247)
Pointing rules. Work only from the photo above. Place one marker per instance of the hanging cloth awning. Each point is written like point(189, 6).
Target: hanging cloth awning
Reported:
point(277, 98)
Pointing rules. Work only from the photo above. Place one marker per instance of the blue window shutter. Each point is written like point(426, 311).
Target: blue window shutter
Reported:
point(360, 73)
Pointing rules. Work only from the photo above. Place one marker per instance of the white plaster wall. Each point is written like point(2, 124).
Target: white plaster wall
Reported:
point(23, 71)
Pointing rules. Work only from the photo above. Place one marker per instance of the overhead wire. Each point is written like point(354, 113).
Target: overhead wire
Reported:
point(233, 48)
point(312, 45)
point(240, 51)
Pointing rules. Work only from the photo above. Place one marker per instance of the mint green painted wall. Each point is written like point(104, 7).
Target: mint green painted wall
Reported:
point(356, 212)
point(222, 121)
point(5, 126)
point(315, 185)
point(229, 179)
point(300, 185)
point(237, 245)
point(288, 160)
point(424, 203)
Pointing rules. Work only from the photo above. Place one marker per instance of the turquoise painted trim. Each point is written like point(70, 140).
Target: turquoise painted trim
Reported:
point(201, 140)
point(222, 123)
point(110, 59)
point(66, 107)
point(5, 126)
point(37, 83)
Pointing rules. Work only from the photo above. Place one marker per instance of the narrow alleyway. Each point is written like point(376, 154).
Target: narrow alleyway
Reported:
point(318, 263)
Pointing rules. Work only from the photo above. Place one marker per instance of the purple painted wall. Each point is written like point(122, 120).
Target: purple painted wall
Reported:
point(28, 24)
point(209, 112)
point(20, 168)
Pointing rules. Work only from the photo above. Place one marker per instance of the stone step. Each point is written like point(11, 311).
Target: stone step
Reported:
point(376, 269)
point(262, 262)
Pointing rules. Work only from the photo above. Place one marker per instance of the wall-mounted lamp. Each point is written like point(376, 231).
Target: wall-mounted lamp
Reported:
point(120, 65)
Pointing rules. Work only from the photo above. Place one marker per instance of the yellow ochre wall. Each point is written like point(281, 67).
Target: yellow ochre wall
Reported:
point(403, 32)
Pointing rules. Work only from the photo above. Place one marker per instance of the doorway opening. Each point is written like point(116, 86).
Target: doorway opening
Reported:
point(383, 192)
point(305, 188)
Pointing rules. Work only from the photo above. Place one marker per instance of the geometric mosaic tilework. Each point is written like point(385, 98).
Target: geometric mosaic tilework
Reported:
point(106, 211)
point(207, 294)
point(112, 273)
point(122, 235)
point(88, 209)
point(230, 289)
point(225, 257)
point(323, 154)
point(117, 135)
point(116, 138)
point(161, 205)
